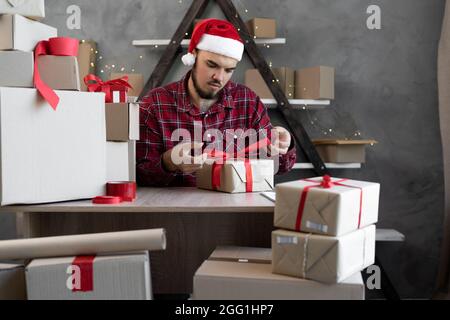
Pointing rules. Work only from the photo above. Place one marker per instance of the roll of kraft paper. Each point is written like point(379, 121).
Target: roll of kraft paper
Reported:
point(86, 244)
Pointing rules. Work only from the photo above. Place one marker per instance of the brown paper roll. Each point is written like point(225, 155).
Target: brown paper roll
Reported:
point(86, 244)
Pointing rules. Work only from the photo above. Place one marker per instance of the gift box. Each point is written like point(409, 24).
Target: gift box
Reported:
point(328, 206)
point(16, 69)
point(20, 33)
point(116, 90)
point(59, 72)
point(285, 76)
point(105, 277)
point(262, 28)
point(121, 161)
point(233, 273)
point(316, 83)
point(342, 151)
point(136, 80)
point(33, 9)
point(87, 54)
point(237, 176)
point(122, 121)
point(322, 258)
point(12, 282)
point(47, 155)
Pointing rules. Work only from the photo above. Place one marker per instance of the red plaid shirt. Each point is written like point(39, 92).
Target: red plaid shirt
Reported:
point(168, 108)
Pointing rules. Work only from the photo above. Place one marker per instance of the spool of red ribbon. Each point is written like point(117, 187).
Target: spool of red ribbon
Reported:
point(125, 190)
point(107, 200)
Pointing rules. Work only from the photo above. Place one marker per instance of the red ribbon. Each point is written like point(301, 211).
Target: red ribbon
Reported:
point(96, 84)
point(326, 183)
point(86, 266)
point(60, 46)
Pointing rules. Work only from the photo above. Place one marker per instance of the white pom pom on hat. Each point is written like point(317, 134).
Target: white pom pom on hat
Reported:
point(188, 59)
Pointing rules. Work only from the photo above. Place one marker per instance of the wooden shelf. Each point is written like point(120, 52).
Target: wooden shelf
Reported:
point(185, 42)
point(304, 166)
point(299, 104)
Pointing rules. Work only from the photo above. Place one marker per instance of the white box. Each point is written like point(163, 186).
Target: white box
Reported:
point(121, 161)
point(322, 258)
point(221, 278)
point(33, 9)
point(330, 211)
point(20, 33)
point(16, 69)
point(12, 282)
point(115, 277)
point(47, 155)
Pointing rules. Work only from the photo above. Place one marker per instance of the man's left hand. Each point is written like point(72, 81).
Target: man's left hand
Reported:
point(281, 141)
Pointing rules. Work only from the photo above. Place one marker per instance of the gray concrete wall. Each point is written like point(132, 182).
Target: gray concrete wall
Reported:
point(385, 89)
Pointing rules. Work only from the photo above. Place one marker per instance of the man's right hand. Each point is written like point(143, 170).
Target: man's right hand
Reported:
point(179, 158)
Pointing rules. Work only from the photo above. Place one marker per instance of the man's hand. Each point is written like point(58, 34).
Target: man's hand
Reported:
point(281, 141)
point(180, 159)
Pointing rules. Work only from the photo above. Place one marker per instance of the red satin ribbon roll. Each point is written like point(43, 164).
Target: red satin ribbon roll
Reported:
point(124, 190)
point(86, 267)
point(60, 46)
point(107, 200)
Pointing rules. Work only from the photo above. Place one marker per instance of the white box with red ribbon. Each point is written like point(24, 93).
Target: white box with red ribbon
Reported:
point(324, 205)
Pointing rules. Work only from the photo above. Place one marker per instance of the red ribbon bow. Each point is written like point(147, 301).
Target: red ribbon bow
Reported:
point(96, 84)
point(326, 183)
point(59, 46)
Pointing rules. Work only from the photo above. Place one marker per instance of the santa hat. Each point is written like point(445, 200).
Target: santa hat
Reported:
point(216, 36)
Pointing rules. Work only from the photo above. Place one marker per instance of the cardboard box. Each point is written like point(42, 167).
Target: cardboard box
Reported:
point(47, 155)
point(342, 151)
point(33, 9)
point(262, 28)
point(122, 121)
point(136, 80)
point(12, 282)
point(322, 258)
point(59, 73)
point(114, 277)
point(121, 161)
point(234, 273)
point(255, 81)
point(233, 177)
point(330, 211)
point(87, 55)
point(20, 33)
point(16, 69)
point(316, 83)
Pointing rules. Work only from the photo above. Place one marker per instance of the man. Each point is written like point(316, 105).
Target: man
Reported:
point(205, 99)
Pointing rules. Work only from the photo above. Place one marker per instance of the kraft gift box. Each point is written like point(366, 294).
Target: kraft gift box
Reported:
point(241, 273)
point(122, 121)
point(255, 81)
point(262, 27)
point(87, 53)
point(136, 80)
point(342, 151)
point(322, 258)
point(33, 9)
point(344, 206)
point(48, 155)
point(105, 277)
point(316, 83)
point(59, 72)
point(12, 282)
point(20, 33)
point(233, 176)
point(16, 69)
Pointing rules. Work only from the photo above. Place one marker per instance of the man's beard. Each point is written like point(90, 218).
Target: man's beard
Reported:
point(202, 93)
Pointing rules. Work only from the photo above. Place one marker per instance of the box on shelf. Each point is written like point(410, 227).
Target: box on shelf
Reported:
point(33, 9)
point(16, 69)
point(121, 161)
point(105, 277)
point(342, 151)
point(22, 34)
point(87, 54)
point(122, 121)
point(308, 206)
point(235, 273)
point(262, 28)
point(316, 83)
point(136, 80)
point(12, 282)
point(47, 155)
point(255, 81)
point(59, 72)
point(322, 258)
point(232, 176)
